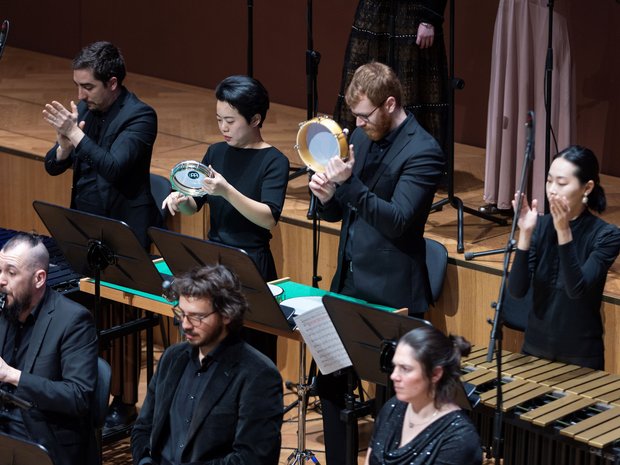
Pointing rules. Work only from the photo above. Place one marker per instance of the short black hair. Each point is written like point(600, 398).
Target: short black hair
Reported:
point(247, 95)
point(104, 59)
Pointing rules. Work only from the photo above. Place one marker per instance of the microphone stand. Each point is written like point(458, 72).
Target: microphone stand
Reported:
point(301, 455)
point(250, 38)
point(4, 34)
point(452, 200)
point(495, 343)
point(548, 90)
point(312, 70)
point(547, 97)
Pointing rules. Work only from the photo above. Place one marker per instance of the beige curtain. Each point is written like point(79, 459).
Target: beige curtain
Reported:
point(517, 86)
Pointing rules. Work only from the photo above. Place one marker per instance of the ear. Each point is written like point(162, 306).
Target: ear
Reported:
point(255, 121)
point(588, 187)
point(40, 277)
point(437, 374)
point(390, 104)
point(113, 83)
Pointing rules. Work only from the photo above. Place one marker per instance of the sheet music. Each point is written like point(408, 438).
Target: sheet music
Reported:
point(320, 336)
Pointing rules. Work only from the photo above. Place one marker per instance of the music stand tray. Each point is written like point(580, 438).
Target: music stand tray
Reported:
point(369, 336)
point(15, 451)
point(182, 253)
point(76, 232)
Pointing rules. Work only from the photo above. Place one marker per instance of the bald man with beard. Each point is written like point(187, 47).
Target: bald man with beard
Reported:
point(48, 357)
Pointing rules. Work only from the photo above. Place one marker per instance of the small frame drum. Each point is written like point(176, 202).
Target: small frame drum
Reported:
point(318, 140)
point(187, 177)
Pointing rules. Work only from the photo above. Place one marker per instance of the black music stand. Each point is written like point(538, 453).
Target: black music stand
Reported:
point(182, 253)
point(369, 336)
point(15, 451)
point(108, 250)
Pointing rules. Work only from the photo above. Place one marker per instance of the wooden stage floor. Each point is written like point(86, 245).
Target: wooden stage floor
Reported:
point(187, 126)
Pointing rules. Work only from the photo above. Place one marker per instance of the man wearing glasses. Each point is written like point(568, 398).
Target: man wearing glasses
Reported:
point(382, 194)
point(213, 398)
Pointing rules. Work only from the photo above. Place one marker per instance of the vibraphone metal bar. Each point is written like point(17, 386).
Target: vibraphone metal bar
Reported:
point(556, 414)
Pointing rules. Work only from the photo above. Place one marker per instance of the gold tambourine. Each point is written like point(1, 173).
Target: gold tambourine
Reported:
point(188, 177)
point(320, 139)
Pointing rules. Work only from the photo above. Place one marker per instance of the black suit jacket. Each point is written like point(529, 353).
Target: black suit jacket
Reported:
point(122, 161)
point(59, 377)
point(388, 252)
point(237, 421)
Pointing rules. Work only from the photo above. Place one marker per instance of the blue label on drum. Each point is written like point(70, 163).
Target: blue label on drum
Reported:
point(193, 175)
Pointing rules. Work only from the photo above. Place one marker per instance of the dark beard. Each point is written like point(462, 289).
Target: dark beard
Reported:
point(12, 311)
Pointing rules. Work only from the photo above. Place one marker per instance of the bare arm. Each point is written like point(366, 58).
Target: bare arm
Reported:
point(256, 212)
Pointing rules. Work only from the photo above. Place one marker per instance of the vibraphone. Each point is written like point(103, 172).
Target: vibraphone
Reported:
point(554, 413)
point(61, 276)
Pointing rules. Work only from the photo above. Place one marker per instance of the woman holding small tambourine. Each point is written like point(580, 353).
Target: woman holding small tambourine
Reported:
point(246, 184)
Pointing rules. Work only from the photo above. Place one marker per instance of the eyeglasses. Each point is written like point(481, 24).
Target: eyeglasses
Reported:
point(195, 320)
point(366, 118)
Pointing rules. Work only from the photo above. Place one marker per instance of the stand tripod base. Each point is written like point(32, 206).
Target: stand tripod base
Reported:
point(457, 203)
point(302, 456)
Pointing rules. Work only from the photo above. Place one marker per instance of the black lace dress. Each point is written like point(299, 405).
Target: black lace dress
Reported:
point(449, 440)
point(386, 31)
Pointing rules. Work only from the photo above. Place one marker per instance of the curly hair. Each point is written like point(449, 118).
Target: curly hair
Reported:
point(218, 284)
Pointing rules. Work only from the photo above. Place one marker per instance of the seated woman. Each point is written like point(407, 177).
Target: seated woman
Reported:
point(422, 425)
point(247, 190)
point(565, 256)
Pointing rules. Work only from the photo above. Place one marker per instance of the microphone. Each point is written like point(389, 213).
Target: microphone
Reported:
point(167, 292)
point(311, 214)
point(4, 33)
point(531, 134)
point(7, 397)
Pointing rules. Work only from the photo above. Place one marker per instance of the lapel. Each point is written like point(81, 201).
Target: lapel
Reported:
point(361, 153)
point(88, 122)
point(224, 373)
point(112, 120)
point(40, 329)
point(168, 390)
point(402, 140)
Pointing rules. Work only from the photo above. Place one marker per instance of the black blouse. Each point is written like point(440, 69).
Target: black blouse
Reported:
point(450, 440)
point(568, 280)
point(261, 175)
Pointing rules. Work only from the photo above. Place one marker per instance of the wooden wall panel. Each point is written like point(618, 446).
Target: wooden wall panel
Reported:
point(25, 180)
point(202, 42)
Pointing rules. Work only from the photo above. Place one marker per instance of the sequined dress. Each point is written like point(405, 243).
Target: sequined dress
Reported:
point(381, 24)
point(449, 440)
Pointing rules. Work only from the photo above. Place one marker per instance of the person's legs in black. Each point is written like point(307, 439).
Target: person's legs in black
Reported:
point(332, 389)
